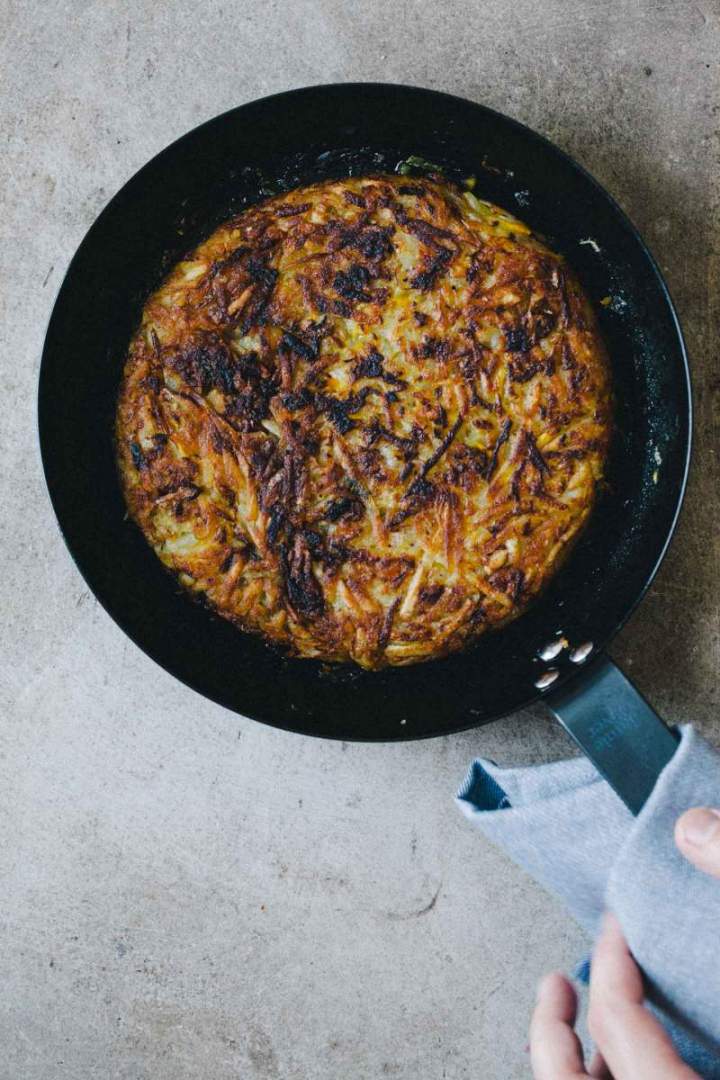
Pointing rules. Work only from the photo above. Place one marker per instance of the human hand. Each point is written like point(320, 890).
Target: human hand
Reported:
point(617, 1019)
point(631, 1044)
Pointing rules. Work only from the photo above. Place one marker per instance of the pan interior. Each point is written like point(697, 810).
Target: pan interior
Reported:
point(279, 143)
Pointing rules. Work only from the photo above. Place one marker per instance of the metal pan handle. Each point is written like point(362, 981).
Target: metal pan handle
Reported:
point(613, 724)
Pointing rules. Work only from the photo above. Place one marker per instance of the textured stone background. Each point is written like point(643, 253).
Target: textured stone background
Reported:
point(185, 893)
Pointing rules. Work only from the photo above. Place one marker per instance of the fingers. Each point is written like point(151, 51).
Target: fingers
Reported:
point(632, 1045)
point(631, 1041)
point(697, 835)
point(555, 1049)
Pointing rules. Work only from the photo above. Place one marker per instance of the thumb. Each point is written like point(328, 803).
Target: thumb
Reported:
point(697, 835)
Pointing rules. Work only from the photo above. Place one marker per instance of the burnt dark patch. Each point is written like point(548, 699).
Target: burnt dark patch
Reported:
point(469, 366)
point(509, 580)
point(421, 490)
point(230, 261)
point(533, 453)
point(227, 283)
point(314, 542)
point(373, 242)
point(339, 417)
point(434, 348)
point(251, 406)
point(263, 457)
point(276, 521)
point(249, 403)
point(334, 554)
point(393, 379)
point(292, 472)
point(306, 347)
point(426, 278)
point(255, 312)
point(155, 343)
point(432, 461)
point(517, 340)
point(478, 615)
point(419, 495)
point(429, 234)
point(371, 464)
point(188, 493)
point(338, 410)
point(408, 444)
point(567, 360)
point(574, 454)
point(529, 454)
point(247, 366)
point(502, 438)
point(227, 562)
point(296, 400)
point(352, 283)
point(220, 440)
point(303, 590)
point(467, 464)
point(480, 263)
point(387, 623)
point(205, 365)
point(262, 273)
point(524, 368)
point(430, 594)
point(578, 377)
point(347, 507)
point(370, 367)
point(292, 211)
point(541, 320)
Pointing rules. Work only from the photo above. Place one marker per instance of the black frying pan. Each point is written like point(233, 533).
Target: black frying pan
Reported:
point(323, 131)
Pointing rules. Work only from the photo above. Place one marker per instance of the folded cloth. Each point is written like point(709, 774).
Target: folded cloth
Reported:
point(566, 826)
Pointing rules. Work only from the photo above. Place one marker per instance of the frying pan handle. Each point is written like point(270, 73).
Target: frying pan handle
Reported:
point(613, 724)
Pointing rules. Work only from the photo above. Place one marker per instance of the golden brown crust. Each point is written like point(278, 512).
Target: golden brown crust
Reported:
point(366, 418)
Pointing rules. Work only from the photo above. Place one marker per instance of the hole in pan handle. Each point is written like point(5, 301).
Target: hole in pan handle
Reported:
point(613, 724)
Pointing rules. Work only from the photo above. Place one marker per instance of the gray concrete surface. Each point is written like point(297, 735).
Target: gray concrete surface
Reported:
point(186, 894)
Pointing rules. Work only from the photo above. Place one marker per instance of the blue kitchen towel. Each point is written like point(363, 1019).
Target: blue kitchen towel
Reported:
point(565, 826)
